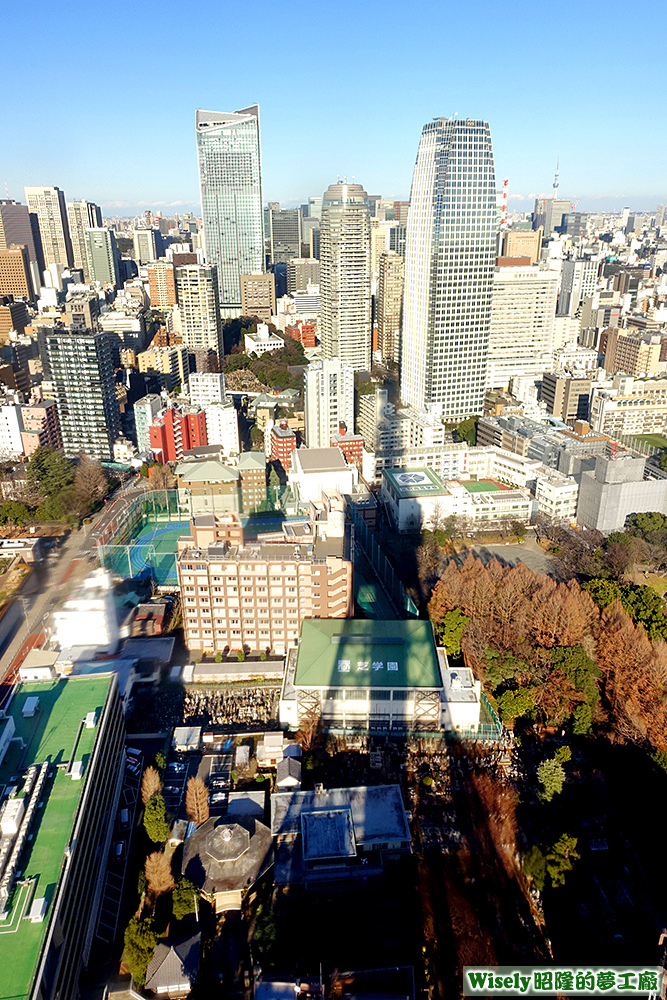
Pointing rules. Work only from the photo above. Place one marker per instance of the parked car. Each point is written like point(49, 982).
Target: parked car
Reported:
point(174, 766)
point(118, 850)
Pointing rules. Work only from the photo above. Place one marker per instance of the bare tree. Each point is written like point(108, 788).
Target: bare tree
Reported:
point(159, 878)
point(196, 801)
point(150, 784)
point(161, 477)
point(90, 481)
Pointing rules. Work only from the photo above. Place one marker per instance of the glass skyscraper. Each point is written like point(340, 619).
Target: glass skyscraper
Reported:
point(450, 253)
point(230, 180)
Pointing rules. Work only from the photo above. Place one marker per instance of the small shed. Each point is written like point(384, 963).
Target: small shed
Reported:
point(186, 738)
point(288, 773)
point(30, 706)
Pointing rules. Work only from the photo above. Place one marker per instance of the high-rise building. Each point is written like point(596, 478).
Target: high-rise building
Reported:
point(145, 245)
point(79, 364)
point(285, 234)
point(222, 427)
point(521, 331)
point(450, 256)
point(15, 273)
point(206, 387)
point(175, 430)
point(102, 257)
point(301, 272)
point(48, 204)
point(328, 401)
point(19, 228)
point(258, 296)
point(345, 275)
point(579, 278)
point(198, 305)
point(523, 243)
point(230, 179)
point(146, 410)
point(170, 364)
point(659, 216)
point(82, 215)
point(161, 284)
point(390, 304)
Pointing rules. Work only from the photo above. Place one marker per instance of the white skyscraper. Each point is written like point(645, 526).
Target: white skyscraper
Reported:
point(345, 275)
point(230, 180)
point(82, 215)
point(449, 261)
point(48, 204)
point(328, 401)
point(206, 387)
point(199, 314)
point(222, 427)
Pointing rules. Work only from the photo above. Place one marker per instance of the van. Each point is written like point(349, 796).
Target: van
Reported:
point(125, 817)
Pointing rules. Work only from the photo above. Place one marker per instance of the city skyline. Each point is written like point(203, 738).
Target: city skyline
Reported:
point(541, 101)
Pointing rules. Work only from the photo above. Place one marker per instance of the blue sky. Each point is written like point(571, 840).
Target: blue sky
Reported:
point(102, 97)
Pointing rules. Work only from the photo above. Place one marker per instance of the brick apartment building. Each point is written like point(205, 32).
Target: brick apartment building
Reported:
point(351, 445)
point(40, 426)
point(303, 332)
point(255, 595)
point(283, 443)
point(177, 430)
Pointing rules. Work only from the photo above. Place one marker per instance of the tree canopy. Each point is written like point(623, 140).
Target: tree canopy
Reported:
point(155, 819)
point(140, 941)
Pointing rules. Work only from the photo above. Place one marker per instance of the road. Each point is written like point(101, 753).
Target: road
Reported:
point(58, 575)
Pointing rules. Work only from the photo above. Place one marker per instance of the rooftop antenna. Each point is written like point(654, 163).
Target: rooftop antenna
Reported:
point(556, 178)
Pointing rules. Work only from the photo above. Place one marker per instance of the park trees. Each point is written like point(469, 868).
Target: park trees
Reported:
point(140, 941)
point(90, 482)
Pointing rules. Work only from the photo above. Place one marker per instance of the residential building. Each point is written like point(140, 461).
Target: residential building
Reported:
point(305, 333)
point(351, 446)
point(282, 444)
point(345, 276)
point(256, 594)
point(145, 245)
point(523, 243)
point(301, 272)
point(79, 365)
point(262, 341)
point(372, 675)
point(285, 235)
point(636, 354)
point(146, 410)
point(230, 179)
point(521, 328)
point(199, 310)
point(14, 317)
point(390, 305)
point(48, 205)
point(162, 284)
point(61, 779)
point(205, 388)
point(19, 228)
point(328, 400)
point(316, 471)
point(170, 364)
point(567, 395)
point(222, 426)
point(175, 430)
point(82, 215)
point(40, 426)
point(450, 256)
point(15, 273)
point(258, 296)
point(11, 426)
point(102, 255)
point(616, 488)
point(629, 406)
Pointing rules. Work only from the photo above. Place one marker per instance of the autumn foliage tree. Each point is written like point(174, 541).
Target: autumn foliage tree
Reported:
point(159, 878)
point(151, 784)
point(196, 801)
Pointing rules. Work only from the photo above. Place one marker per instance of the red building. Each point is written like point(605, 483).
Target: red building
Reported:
point(177, 430)
point(351, 445)
point(283, 443)
point(303, 332)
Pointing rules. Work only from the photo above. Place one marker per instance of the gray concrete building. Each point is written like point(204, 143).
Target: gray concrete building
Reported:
point(615, 489)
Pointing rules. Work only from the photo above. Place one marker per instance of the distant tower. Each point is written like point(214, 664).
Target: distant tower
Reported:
point(556, 178)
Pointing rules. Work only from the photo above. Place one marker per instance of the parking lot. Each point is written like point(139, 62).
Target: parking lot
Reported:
point(216, 771)
point(177, 772)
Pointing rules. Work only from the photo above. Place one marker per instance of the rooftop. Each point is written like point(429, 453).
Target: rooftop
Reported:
point(484, 486)
point(206, 472)
point(344, 652)
point(321, 460)
point(377, 814)
point(50, 734)
point(407, 483)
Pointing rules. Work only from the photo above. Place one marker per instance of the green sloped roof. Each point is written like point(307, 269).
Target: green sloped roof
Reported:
point(206, 472)
point(350, 652)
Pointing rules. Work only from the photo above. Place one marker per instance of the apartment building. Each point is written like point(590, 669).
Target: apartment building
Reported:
point(256, 595)
point(15, 276)
point(170, 364)
point(629, 406)
point(40, 426)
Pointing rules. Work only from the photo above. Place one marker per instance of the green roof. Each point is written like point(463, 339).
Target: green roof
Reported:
point(49, 734)
point(415, 483)
point(482, 486)
point(206, 472)
point(351, 652)
point(252, 459)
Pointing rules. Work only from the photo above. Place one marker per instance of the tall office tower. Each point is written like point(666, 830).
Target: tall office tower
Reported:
point(258, 296)
point(198, 305)
point(79, 364)
point(18, 228)
point(230, 179)
point(449, 260)
point(521, 333)
point(345, 275)
point(397, 239)
point(161, 284)
point(15, 274)
point(379, 243)
point(301, 272)
point(389, 305)
point(579, 278)
point(285, 235)
point(82, 215)
point(102, 257)
point(328, 401)
point(48, 204)
point(315, 207)
point(659, 215)
point(145, 248)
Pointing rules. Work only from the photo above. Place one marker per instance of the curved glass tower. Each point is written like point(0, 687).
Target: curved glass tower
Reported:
point(450, 253)
point(230, 180)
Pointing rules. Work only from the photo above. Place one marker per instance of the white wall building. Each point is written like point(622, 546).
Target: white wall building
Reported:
point(521, 330)
point(11, 425)
point(318, 470)
point(557, 496)
point(262, 341)
point(205, 388)
point(222, 427)
point(328, 401)
point(88, 617)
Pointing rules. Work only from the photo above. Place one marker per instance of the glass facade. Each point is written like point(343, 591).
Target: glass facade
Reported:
point(230, 179)
point(449, 265)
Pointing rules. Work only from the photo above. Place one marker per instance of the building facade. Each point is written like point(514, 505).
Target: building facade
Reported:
point(175, 430)
point(162, 284)
point(345, 276)
point(328, 401)
point(82, 215)
point(48, 205)
point(199, 309)
point(15, 273)
point(450, 256)
point(521, 328)
point(390, 305)
point(102, 256)
point(258, 296)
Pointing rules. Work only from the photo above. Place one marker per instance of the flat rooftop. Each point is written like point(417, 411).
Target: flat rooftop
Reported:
point(351, 652)
point(48, 735)
point(377, 813)
point(407, 483)
point(484, 486)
